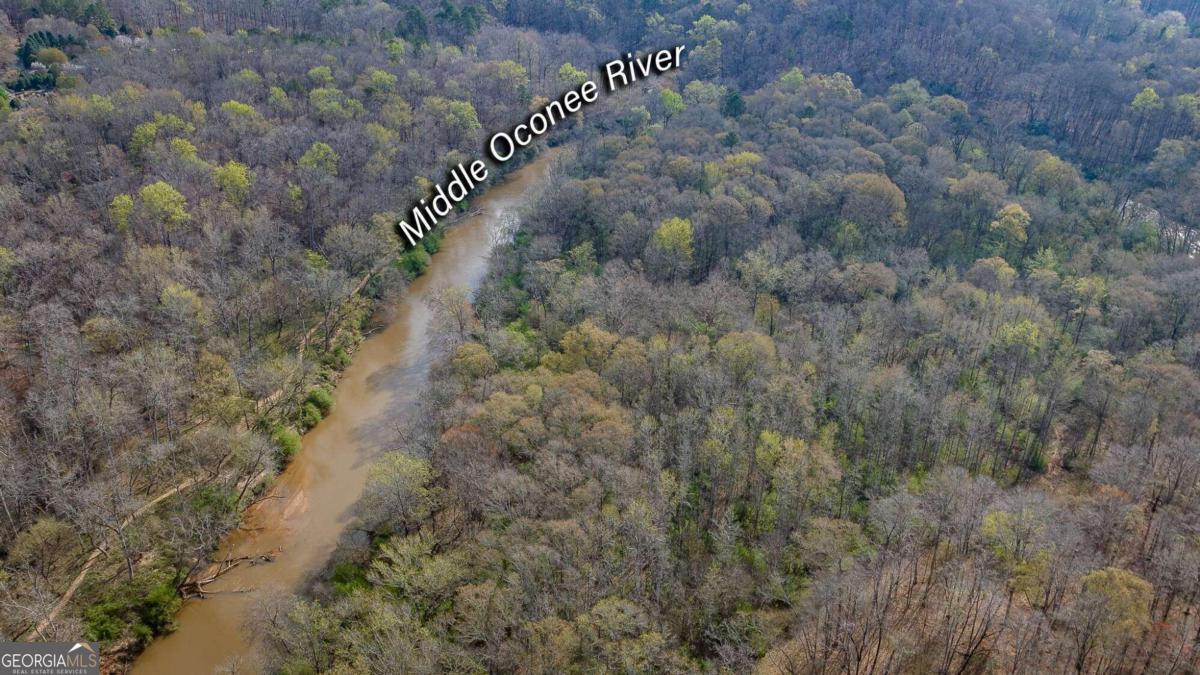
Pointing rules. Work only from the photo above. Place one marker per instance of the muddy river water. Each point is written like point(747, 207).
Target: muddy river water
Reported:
point(312, 500)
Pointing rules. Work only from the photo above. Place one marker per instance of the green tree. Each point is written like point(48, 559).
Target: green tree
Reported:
point(1009, 227)
point(673, 241)
point(1052, 176)
point(399, 494)
point(672, 102)
point(570, 76)
point(146, 134)
point(473, 362)
point(320, 157)
point(332, 106)
point(733, 105)
point(413, 26)
point(119, 210)
point(234, 180)
point(456, 119)
point(51, 56)
point(8, 261)
point(745, 355)
point(243, 118)
point(1147, 100)
point(321, 75)
point(380, 82)
point(97, 15)
point(166, 206)
point(674, 236)
point(1113, 606)
point(396, 49)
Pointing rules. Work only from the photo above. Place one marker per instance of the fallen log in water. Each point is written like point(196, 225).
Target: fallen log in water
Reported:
point(196, 588)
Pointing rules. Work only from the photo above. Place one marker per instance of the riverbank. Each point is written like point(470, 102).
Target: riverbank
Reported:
point(309, 505)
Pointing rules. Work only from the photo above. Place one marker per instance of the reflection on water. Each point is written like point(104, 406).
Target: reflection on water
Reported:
point(312, 500)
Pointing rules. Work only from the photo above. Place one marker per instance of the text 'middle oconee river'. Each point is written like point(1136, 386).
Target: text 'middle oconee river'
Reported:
point(462, 180)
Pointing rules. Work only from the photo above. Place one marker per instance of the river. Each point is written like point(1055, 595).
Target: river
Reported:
point(312, 501)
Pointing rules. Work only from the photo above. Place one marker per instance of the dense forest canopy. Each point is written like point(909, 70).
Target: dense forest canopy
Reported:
point(184, 212)
point(867, 342)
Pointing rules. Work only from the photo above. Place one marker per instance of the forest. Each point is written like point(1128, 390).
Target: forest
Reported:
point(867, 341)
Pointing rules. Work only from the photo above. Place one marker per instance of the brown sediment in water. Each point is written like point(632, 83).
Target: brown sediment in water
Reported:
point(312, 500)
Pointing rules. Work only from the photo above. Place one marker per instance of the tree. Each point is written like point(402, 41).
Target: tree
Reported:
point(454, 121)
point(102, 510)
point(825, 542)
point(874, 201)
point(745, 356)
point(473, 361)
point(586, 346)
point(328, 288)
point(454, 315)
point(994, 275)
point(51, 56)
point(355, 250)
point(1010, 227)
point(672, 102)
point(166, 207)
point(321, 158)
point(234, 180)
point(333, 107)
point(322, 76)
point(399, 495)
point(97, 15)
point(301, 634)
point(571, 77)
point(1147, 100)
point(674, 239)
point(1087, 293)
point(380, 82)
point(1113, 607)
point(413, 27)
point(733, 105)
point(242, 117)
point(1053, 177)
point(120, 209)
